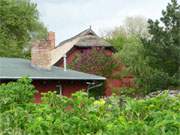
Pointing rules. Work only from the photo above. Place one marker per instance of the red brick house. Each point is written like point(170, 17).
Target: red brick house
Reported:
point(46, 76)
point(65, 82)
point(82, 43)
point(47, 60)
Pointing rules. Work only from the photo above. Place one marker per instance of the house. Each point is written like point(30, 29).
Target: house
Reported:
point(48, 65)
point(44, 74)
point(80, 43)
point(64, 53)
point(65, 82)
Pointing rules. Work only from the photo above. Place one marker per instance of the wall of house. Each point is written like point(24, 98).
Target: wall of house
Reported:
point(110, 84)
point(115, 84)
point(117, 81)
point(68, 87)
point(71, 55)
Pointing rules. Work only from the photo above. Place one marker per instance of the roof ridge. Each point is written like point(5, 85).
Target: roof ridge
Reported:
point(77, 35)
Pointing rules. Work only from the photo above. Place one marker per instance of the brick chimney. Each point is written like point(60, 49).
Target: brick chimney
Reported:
point(41, 52)
point(41, 55)
point(51, 39)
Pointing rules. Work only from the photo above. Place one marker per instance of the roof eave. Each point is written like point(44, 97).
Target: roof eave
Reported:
point(52, 78)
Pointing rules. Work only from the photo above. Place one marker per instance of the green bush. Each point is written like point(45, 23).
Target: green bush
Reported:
point(81, 115)
point(126, 91)
point(13, 93)
point(97, 92)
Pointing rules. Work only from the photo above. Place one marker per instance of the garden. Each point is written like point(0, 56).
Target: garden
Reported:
point(83, 115)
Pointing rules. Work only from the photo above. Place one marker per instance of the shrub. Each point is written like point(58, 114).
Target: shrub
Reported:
point(13, 93)
point(83, 115)
point(126, 91)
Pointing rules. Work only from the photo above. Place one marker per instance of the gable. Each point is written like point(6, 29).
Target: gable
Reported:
point(87, 38)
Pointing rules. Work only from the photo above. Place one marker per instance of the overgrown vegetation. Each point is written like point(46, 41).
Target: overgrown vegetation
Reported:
point(82, 115)
point(98, 91)
point(154, 60)
point(19, 25)
point(95, 62)
point(164, 46)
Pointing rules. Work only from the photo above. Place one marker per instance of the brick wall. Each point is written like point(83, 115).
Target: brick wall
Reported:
point(68, 87)
point(71, 55)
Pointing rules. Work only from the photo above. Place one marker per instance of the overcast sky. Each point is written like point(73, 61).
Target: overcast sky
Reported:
point(69, 17)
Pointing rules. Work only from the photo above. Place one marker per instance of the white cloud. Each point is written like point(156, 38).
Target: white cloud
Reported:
point(69, 17)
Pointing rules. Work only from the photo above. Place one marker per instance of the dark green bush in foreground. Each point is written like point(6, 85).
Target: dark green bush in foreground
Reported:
point(82, 115)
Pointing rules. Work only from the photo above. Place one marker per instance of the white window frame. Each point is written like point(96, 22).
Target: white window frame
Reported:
point(59, 87)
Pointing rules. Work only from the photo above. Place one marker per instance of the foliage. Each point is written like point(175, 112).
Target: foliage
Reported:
point(83, 115)
point(13, 93)
point(134, 26)
point(146, 78)
point(164, 46)
point(95, 62)
point(132, 54)
point(130, 32)
point(19, 24)
point(127, 91)
point(97, 92)
point(153, 61)
point(119, 40)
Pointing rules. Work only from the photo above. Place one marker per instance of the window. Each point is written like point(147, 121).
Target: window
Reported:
point(59, 89)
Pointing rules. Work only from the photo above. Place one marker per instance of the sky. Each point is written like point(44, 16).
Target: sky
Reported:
point(69, 17)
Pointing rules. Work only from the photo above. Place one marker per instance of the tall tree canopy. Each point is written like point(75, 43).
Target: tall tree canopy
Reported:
point(133, 26)
point(19, 24)
point(129, 32)
point(163, 48)
point(154, 60)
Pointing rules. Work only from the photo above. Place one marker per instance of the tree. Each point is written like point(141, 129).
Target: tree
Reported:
point(154, 61)
point(137, 26)
point(129, 32)
point(163, 49)
point(132, 26)
point(19, 24)
point(146, 78)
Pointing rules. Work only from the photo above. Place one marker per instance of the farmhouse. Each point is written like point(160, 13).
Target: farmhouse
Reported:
point(64, 82)
point(41, 69)
point(48, 65)
point(84, 42)
point(81, 43)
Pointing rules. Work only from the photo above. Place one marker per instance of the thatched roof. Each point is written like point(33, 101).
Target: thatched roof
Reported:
point(87, 38)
